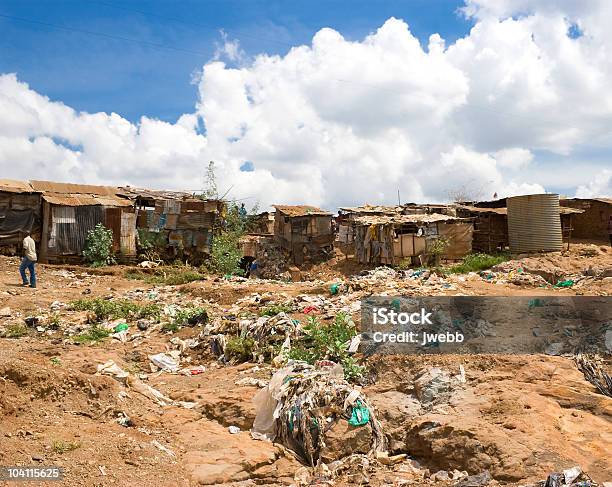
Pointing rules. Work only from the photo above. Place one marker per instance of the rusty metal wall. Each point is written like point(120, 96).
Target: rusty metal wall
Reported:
point(128, 234)
point(70, 226)
point(534, 224)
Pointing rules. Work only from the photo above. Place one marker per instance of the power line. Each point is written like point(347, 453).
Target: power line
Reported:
point(105, 35)
point(195, 24)
point(199, 53)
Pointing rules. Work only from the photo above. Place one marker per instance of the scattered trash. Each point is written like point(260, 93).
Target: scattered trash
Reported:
point(32, 321)
point(163, 448)
point(121, 327)
point(572, 477)
point(124, 420)
point(234, 430)
point(566, 283)
point(168, 362)
point(310, 309)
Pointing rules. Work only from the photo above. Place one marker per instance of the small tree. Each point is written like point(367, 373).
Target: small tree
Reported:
point(99, 246)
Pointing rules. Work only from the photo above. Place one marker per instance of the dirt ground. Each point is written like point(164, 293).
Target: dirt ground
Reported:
point(518, 417)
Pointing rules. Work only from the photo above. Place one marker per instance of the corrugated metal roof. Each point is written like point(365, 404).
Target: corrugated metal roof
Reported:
point(85, 200)
point(607, 201)
point(379, 209)
point(563, 210)
point(14, 186)
point(420, 218)
point(301, 210)
point(69, 188)
point(134, 193)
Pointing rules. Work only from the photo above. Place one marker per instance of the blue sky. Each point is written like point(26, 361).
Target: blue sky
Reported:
point(95, 73)
point(513, 102)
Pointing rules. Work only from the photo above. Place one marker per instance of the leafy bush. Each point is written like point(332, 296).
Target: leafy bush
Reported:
point(328, 342)
point(225, 254)
point(151, 245)
point(61, 446)
point(191, 315)
point(15, 330)
point(99, 246)
point(114, 309)
point(477, 262)
point(274, 309)
point(95, 334)
point(240, 348)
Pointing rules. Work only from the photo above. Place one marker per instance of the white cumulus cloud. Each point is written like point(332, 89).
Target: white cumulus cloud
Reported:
point(345, 122)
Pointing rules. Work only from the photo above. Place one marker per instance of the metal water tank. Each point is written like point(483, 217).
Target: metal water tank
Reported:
point(534, 224)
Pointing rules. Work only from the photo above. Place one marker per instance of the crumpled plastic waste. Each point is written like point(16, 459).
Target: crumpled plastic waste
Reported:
point(302, 402)
point(168, 362)
point(571, 477)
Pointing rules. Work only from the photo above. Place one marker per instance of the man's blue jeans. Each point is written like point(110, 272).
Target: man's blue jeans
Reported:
point(28, 264)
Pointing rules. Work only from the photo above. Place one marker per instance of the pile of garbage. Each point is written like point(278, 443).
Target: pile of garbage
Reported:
point(593, 369)
point(572, 477)
point(302, 403)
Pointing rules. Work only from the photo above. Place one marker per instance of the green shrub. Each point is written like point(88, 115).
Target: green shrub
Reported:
point(225, 254)
point(191, 315)
point(274, 309)
point(240, 348)
point(105, 309)
point(151, 245)
point(15, 330)
point(328, 342)
point(95, 334)
point(61, 446)
point(477, 262)
point(99, 246)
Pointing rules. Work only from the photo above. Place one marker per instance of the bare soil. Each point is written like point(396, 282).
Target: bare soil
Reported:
point(519, 417)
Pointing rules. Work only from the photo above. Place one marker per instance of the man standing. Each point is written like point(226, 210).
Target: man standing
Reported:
point(28, 261)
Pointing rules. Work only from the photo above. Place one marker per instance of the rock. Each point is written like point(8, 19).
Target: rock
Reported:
point(434, 384)
point(5, 312)
point(344, 440)
point(440, 475)
point(143, 325)
point(483, 478)
point(554, 349)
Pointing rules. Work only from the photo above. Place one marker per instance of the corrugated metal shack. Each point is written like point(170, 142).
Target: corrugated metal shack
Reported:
point(186, 223)
point(592, 224)
point(19, 213)
point(491, 224)
point(261, 224)
point(70, 211)
point(348, 214)
point(305, 231)
point(389, 239)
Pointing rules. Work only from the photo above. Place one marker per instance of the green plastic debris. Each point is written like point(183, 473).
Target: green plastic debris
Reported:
point(535, 303)
point(120, 327)
point(333, 289)
point(567, 283)
point(360, 414)
point(396, 304)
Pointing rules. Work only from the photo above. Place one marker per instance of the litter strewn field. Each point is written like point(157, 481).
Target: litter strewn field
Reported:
point(226, 380)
